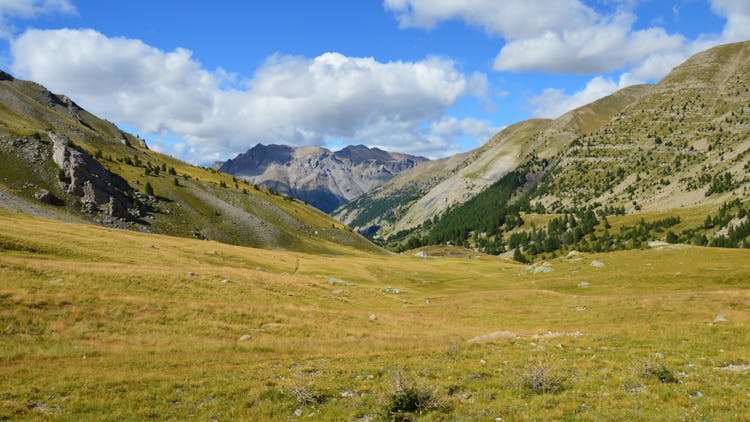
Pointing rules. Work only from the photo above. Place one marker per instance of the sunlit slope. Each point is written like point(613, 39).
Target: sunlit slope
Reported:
point(99, 323)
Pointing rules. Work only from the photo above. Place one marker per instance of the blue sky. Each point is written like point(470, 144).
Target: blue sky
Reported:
point(433, 77)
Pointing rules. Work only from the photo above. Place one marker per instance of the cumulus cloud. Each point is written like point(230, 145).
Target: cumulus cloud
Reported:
point(552, 103)
point(28, 9)
point(290, 99)
point(508, 18)
point(737, 13)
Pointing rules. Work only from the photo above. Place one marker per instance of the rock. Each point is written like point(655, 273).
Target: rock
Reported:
point(696, 395)
point(57, 281)
point(494, 336)
point(736, 368)
point(246, 337)
point(597, 264)
point(46, 197)
point(337, 282)
point(421, 254)
point(225, 281)
point(373, 317)
point(290, 294)
point(580, 308)
point(584, 284)
point(572, 253)
point(82, 176)
point(191, 274)
point(544, 267)
point(720, 318)
point(117, 209)
point(298, 413)
point(391, 290)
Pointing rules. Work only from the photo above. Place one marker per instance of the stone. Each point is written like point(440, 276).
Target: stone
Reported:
point(337, 282)
point(597, 264)
point(373, 317)
point(720, 318)
point(584, 284)
point(298, 413)
point(246, 337)
point(225, 281)
point(46, 197)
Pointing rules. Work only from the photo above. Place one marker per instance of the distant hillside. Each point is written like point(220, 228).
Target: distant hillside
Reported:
point(323, 178)
point(59, 161)
point(662, 149)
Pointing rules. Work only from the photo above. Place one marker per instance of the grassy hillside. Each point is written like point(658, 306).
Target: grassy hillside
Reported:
point(673, 147)
point(99, 323)
point(163, 195)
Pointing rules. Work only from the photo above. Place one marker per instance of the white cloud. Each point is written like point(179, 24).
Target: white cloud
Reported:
point(737, 13)
point(29, 9)
point(552, 103)
point(648, 56)
point(290, 99)
point(508, 18)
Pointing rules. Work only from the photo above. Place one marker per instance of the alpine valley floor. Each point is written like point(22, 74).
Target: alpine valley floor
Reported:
point(105, 324)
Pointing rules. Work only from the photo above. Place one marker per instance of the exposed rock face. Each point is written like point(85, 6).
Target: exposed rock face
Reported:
point(317, 175)
point(45, 196)
point(86, 178)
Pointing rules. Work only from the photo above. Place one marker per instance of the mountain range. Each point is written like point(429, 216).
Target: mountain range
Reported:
point(323, 178)
point(680, 147)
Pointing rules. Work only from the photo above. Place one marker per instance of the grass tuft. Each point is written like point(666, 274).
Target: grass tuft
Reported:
point(541, 376)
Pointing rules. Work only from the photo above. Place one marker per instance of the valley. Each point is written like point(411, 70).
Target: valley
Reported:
point(106, 323)
point(589, 267)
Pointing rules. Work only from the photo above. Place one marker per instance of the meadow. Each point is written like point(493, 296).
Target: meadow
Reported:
point(105, 324)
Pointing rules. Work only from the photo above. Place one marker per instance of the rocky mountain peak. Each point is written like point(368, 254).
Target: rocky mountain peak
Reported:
point(324, 178)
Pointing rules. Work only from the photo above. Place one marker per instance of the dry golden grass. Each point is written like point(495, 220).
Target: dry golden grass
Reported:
point(110, 324)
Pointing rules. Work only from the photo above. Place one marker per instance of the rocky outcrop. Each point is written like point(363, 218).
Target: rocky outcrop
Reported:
point(321, 177)
point(82, 176)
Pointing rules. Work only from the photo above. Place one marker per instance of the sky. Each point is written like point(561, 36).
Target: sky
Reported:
point(206, 80)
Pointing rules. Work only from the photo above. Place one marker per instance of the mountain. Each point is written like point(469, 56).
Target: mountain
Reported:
point(323, 178)
point(683, 143)
point(59, 161)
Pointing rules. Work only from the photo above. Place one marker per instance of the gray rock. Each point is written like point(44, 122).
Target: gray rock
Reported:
point(584, 284)
point(337, 282)
point(246, 337)
point(46, 197)
point(597, 264)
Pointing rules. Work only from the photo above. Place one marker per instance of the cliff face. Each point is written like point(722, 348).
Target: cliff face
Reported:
point(321, 177)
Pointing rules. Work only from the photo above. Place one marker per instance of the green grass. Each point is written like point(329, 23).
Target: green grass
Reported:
point(99, 323)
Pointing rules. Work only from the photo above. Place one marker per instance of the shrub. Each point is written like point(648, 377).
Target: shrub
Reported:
point(407, 401)
point(659, 372)
point(541, 376)
point(149, 189)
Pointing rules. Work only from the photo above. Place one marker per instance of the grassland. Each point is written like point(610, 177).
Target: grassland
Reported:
point(107, 324)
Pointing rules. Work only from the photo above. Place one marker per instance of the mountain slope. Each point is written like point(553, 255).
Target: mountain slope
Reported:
point(684, 142)
point(428, 191)
point(317, 175)
point(59, 161)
